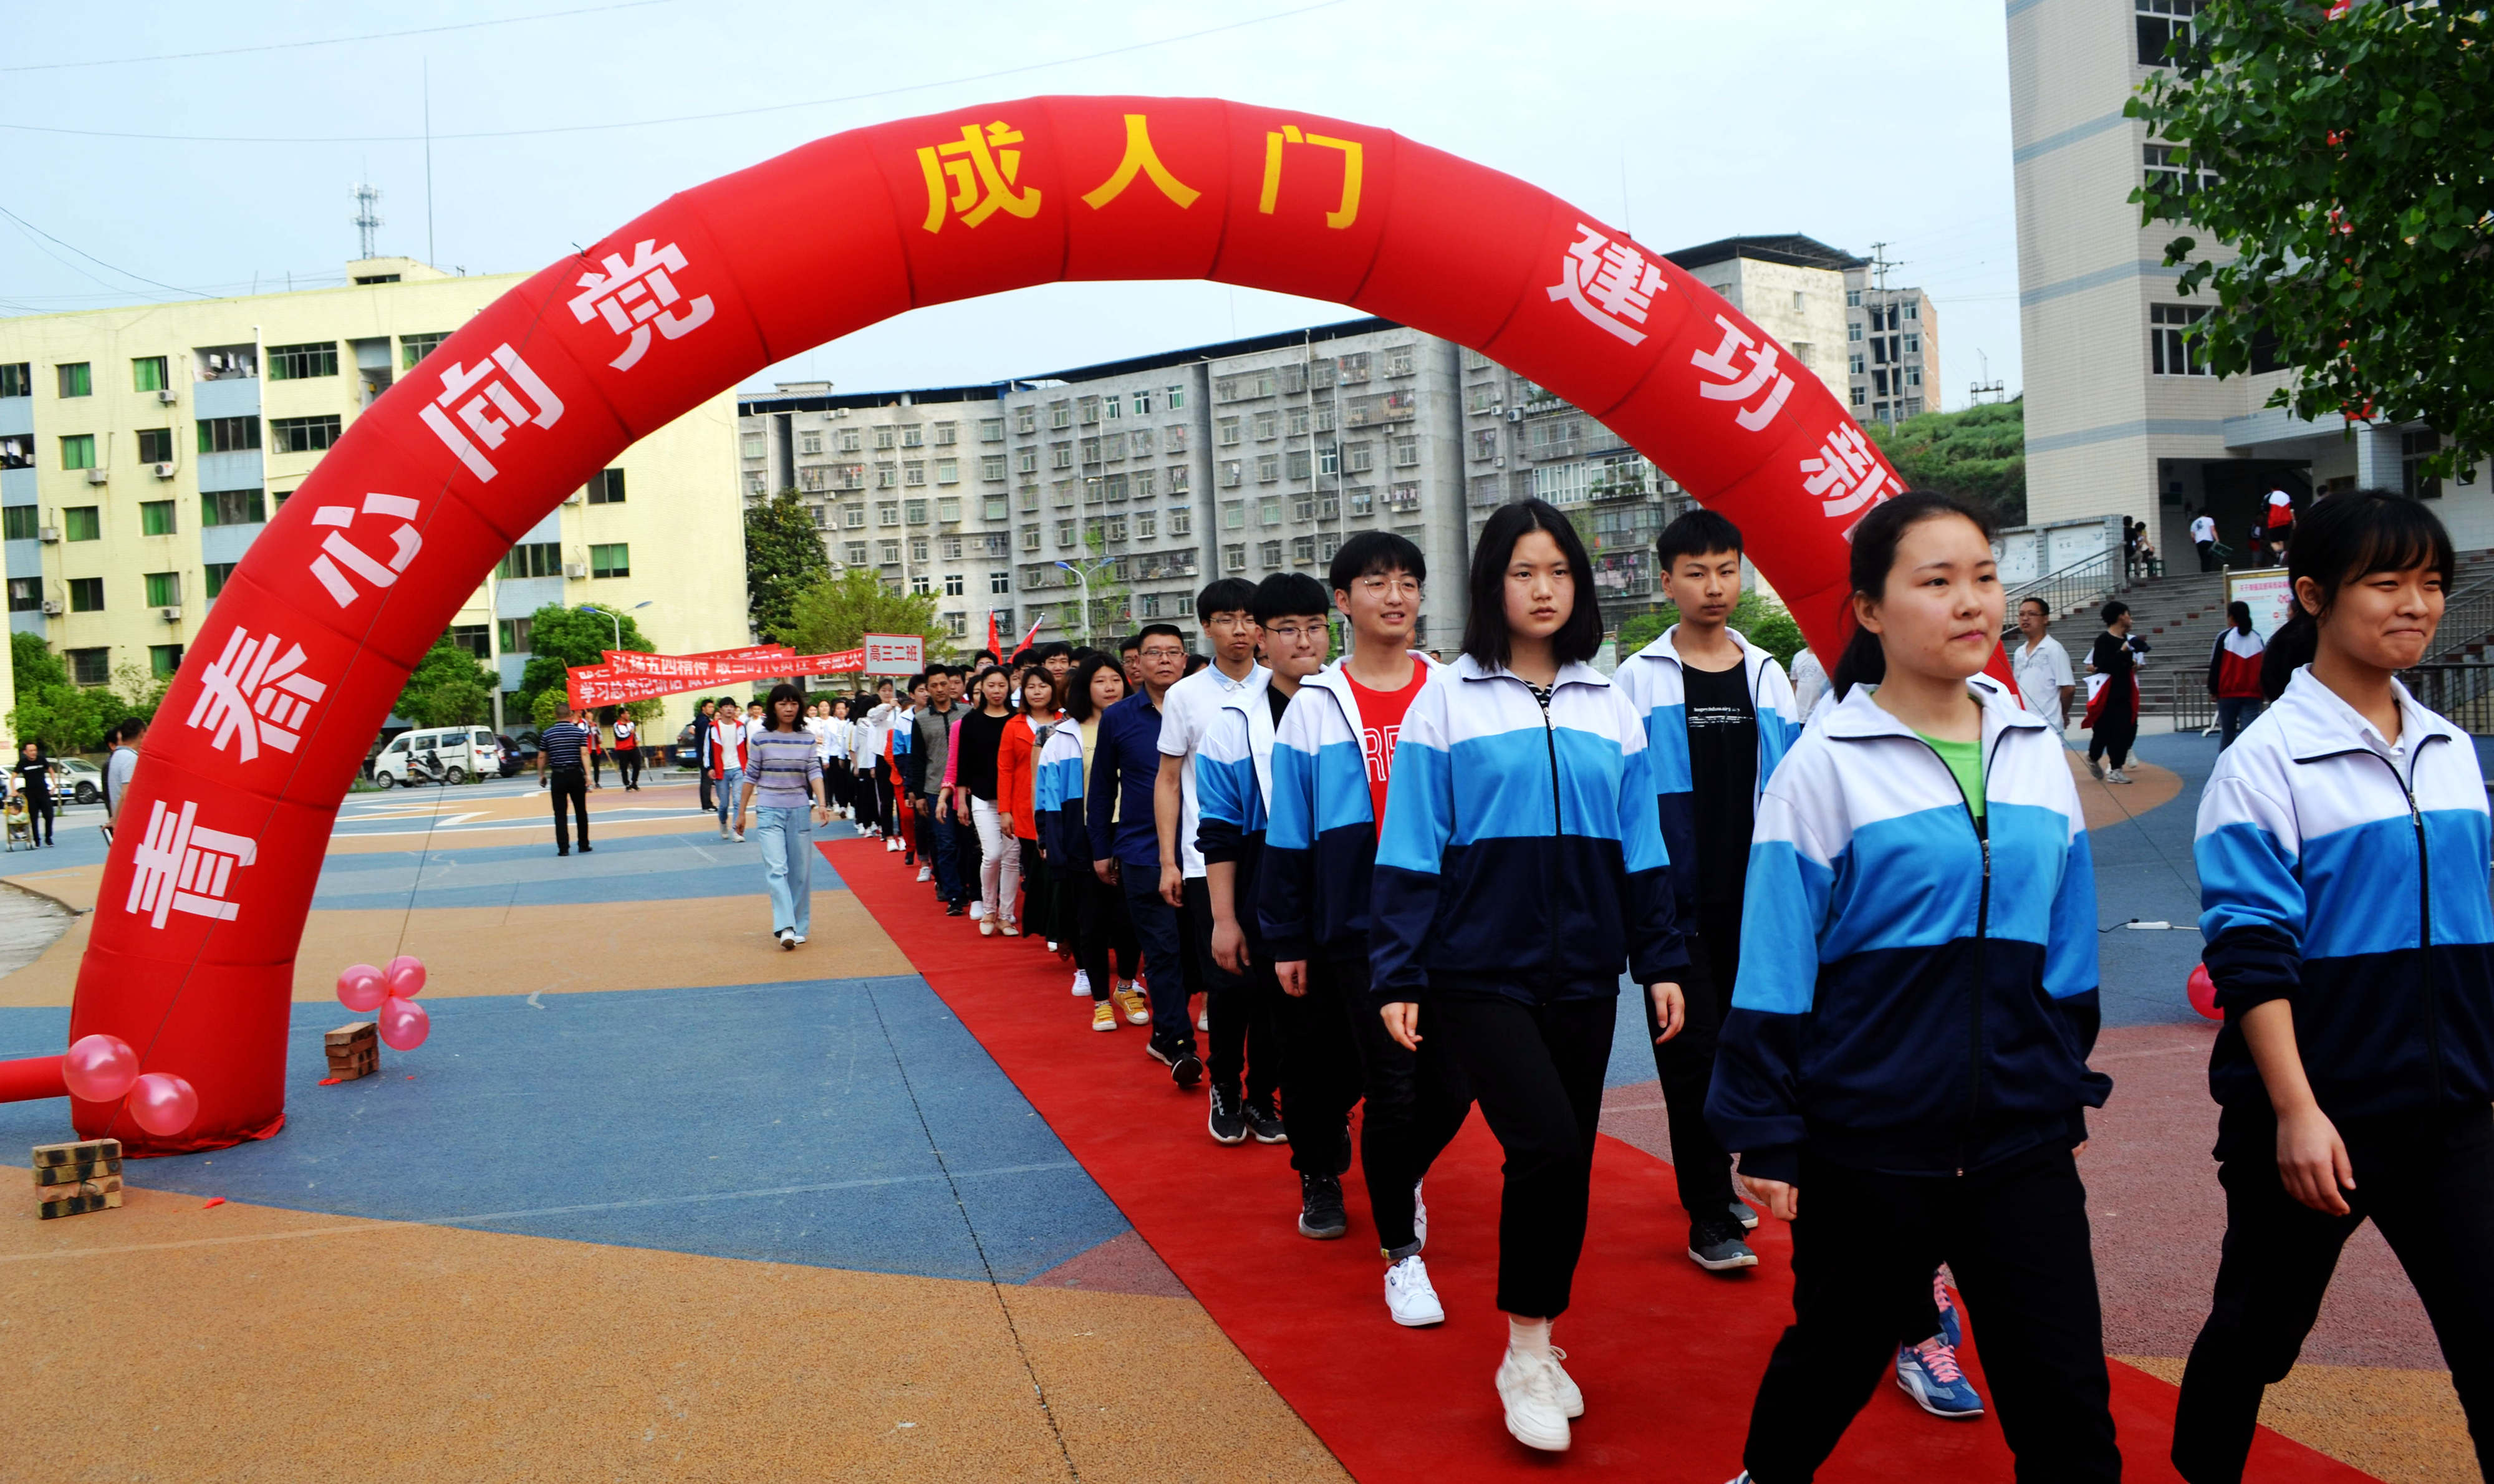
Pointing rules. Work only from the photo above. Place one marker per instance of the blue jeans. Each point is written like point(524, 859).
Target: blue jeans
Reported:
point(1156, 931)
point(787, 837)
point(2234, 714)
point(731, 782)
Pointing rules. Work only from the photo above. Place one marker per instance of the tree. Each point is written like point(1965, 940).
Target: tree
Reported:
point(2341, 159)
point(560, 638)
point(1977, 454)
point(1760, 619)
point(48, 708)
point(449, 688)
point(837, 613)
point(783, 557)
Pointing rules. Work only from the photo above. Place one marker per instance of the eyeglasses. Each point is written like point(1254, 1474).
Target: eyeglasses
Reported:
point(1291, 633)
point(1162, 654)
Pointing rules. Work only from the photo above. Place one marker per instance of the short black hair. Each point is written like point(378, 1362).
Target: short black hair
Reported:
point(1485, 635)
point(2112, 611)
point(1372, 551)
point(1131, 642)
point(2037, 601)
point(1225, 595)
point(1077, 699)
point(1290, 595)
point(1171, 629)
point(1697, 533)
point(1041, 655)
point(1194, 662)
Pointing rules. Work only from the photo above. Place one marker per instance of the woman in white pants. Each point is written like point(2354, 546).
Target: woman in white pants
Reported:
point(971, 774)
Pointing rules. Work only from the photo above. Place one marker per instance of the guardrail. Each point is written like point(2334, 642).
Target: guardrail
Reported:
point(2081, 582)
point(2463, 693)
point(2467, 617)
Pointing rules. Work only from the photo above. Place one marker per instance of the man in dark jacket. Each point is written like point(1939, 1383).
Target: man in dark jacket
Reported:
point(701, 752)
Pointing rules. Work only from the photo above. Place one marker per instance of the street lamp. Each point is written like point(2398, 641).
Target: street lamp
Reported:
point(610, 616)
point(1083, 579)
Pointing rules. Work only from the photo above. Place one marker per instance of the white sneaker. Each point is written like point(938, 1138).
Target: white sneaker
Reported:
point(979, 912)
point(925, 873)
point(892, 844)
point(1410, 1300)
point(1533, 1417)
point(1203, 1020)
point(739, 836)
point(1420, 1217)
point(722, 832)
point(1082, 984)
point(1571, 1400)
point(2116, 775)
point(799, 937)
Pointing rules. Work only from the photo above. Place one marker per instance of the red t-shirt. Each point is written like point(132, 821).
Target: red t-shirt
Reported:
point(1381, 722)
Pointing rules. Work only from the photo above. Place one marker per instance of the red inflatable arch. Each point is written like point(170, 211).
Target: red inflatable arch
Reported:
point(212, 873)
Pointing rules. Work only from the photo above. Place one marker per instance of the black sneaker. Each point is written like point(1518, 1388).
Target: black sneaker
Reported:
point(1744, 1212)
point(1264, 1123)
point(1188, 1069)
point(956, 909)
point(1224, 1122)
point(584, 847)
point(1717, 1247)
point(1320, 1213)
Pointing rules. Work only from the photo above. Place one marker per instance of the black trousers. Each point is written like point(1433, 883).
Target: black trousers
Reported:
point(2113, 735)
point(1686, 1063)
point(2207, 555)
point(1246, 1048)
point(1162, 931)
point(701, 771)
point(868, 802)
point(1537, 1070)
point(568, 783)
point(2428, 1183)
point(836, 780)
point(1037, 912)
point(627, 766)
point(41, 811)
point(1104, 935)
point(1336, 1055)
point(1864, 1250)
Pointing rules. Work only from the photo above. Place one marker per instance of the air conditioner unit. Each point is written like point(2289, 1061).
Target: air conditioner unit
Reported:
point(576, 498)
point(1516, 415)
point(96, 476)
point(1498, 464)
point(216, 361)
point(163, 470)
point(169, 396)
point(575, 570)
point(49, 533)
point(51, 605)
point(173, 613)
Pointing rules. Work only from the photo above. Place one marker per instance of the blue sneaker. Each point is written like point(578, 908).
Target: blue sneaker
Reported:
point(1928, 1373)
point(1951, 1329)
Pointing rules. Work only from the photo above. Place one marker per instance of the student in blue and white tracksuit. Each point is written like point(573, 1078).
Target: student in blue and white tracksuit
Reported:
point(1103, 937)
point(2342, 854)
point(1718, 718)
point(1522, 867)
point(1904, 1069)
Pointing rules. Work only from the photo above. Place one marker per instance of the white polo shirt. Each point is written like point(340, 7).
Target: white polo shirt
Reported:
point(2043, 668)
point(1186, 710)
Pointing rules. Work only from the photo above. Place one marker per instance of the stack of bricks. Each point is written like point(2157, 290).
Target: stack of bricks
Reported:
point(73, 1180)
point(354, 1050)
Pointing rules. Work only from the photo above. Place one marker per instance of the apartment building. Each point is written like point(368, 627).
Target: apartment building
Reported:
point(143, 448)
point(911, 484)
point(1132, 483)
point(1892, 348)
point(2123, 416)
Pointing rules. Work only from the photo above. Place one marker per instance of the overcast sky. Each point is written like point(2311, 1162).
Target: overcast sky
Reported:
point(1852, 121)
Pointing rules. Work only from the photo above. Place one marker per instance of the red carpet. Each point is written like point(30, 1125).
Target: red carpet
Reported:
point(1668, 1356)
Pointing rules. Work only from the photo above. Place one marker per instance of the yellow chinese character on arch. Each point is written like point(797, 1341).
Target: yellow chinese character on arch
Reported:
point(1141, 160)
point(1344, 214)
point(982, 167)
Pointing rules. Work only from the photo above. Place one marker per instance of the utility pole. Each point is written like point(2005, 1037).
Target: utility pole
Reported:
point(1986, 389)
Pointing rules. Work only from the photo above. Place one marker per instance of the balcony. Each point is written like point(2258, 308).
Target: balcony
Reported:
point(1620, 487)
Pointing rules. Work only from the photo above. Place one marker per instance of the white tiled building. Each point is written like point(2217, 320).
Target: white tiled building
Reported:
point(2121, 416)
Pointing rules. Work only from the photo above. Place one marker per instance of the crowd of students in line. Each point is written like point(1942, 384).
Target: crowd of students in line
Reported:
point(1863, 930)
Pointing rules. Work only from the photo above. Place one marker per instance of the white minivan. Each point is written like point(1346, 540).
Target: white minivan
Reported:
point(466, 752)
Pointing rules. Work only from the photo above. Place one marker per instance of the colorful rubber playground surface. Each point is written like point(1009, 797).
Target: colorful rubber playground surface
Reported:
point(659, 1200)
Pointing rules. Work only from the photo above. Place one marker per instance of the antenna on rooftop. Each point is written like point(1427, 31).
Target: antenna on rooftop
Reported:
point(367, 217)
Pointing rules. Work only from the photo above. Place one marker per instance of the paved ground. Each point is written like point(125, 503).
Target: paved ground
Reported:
point(659, 1200)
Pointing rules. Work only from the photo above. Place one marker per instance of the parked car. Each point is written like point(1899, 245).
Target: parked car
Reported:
point(81, 780)
point(517, 755)
point(688, 746)
point(466, 752)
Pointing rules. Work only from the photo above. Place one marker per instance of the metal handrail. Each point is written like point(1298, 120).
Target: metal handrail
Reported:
point(2468, 614)
point(2082, 581)
point(2463, 693)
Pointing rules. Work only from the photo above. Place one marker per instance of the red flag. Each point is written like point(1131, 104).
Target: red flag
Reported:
point(991, 635)
point(1031, 638)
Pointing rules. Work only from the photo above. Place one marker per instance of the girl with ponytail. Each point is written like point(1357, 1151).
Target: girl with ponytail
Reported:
point(1907, 1040)
point(2342, 854)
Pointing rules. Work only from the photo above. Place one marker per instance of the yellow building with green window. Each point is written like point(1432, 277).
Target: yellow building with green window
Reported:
point(142, 449)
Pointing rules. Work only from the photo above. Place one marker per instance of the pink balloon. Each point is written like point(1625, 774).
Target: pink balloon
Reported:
point(361, 987)
point(100, 1068)
point(2203, 992)
point(163, 1103)
point(405, 1024)
point(405, 975)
